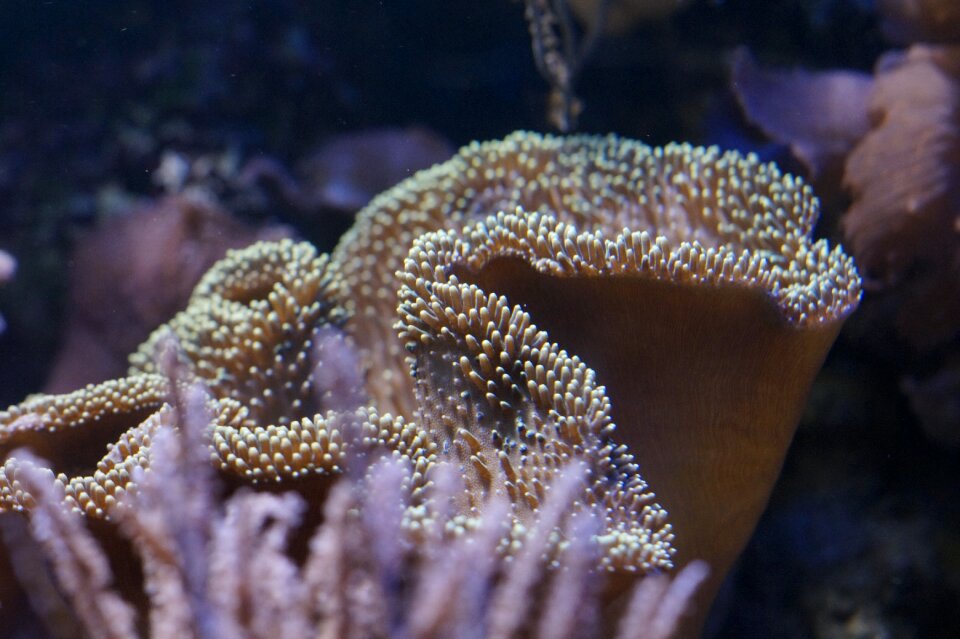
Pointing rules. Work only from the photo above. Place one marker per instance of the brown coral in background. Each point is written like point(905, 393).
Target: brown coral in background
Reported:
point(134, 273)
point(896, 139)
point(821, 115)
point(904, 223)
point(901, 174)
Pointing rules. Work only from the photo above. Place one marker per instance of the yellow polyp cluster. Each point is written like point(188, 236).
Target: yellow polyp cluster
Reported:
point(514, 408)
point(246, 337)
point(96, 401)
point(816, 285)
point(316, 445)
point(248, 330)
point(695, 198)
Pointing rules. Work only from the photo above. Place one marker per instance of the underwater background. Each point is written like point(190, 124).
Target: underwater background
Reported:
point(291, 115)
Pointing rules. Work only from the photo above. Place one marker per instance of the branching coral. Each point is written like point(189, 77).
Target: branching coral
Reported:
point(359, 579)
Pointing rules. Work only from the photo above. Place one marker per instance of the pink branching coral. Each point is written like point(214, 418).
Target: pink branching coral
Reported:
point(225, 570)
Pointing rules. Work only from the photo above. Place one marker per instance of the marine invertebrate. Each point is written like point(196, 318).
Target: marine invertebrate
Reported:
point(774, 302)
point(248, 336)
point(247, 339)
point(903, 225)
point(584, 179)
point(499, 320)
point(889, 149)
point(132, 274)
point(223, 569)
point(559, 55)
point(515, 408)
point(592, 182)
point(561, 49)
point(701, 235)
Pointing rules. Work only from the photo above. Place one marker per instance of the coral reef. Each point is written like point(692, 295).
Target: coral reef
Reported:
point(108, 104)
point(272, 333)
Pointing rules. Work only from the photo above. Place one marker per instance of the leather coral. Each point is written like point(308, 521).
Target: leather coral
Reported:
point(247, 335)
point(656, 315)
point(587, 180)
point(686, 279)
point(706, 348)
point(249, 338)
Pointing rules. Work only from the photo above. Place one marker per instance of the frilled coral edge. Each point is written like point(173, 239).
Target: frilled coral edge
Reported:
point(810, 284)
point(715, 211)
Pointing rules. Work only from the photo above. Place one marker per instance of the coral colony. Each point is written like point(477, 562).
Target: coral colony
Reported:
point(540, 387)
point(479, 399)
